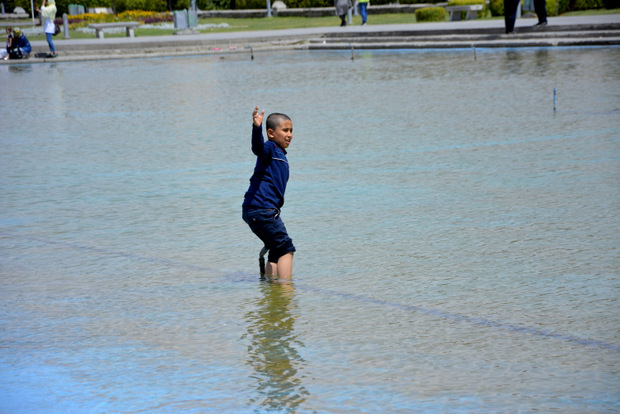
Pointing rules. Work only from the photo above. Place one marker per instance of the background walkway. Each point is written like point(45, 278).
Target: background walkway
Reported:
point(561, 31)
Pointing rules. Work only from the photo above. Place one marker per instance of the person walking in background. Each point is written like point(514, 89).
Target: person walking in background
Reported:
point(540, 7)
point(363, 5)
point(342, 7)
point(510, 15)
point(48, 12)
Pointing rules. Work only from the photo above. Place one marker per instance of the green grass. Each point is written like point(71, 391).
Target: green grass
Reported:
point(595, 12)
point(276, 23)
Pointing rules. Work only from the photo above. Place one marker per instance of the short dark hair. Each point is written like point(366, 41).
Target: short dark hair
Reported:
point(273, 120)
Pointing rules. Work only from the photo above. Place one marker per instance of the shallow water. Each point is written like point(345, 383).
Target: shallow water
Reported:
point(457, 238)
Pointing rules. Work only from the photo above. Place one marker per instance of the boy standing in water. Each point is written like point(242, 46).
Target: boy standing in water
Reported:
point(265, 197)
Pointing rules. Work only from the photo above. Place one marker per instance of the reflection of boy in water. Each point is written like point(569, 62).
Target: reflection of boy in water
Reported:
point(265, 197)
point(273, 350)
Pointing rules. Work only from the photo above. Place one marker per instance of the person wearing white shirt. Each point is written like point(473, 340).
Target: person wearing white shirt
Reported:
point(48, 12)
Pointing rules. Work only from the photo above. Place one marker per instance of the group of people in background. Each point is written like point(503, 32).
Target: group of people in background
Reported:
point(343, 7)
point(18, 45)
point(510, 12)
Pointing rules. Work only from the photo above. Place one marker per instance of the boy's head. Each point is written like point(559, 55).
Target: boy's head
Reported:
point(9, 30)
point(279, 129)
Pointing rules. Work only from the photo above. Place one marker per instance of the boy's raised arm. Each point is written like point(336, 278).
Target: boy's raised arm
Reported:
point(257, 117)
point(258, 145)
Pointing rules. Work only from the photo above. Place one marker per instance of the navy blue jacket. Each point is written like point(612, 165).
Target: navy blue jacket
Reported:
point(268, 182)
point(23, 43)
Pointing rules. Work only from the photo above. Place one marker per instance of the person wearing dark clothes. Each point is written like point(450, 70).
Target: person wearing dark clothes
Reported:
point(510, 14)
point(540, 6)
point(265, 196)
point(20, 47)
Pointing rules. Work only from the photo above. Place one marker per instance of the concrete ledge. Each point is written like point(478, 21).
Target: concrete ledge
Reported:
point(25, 23)
point(100, 27)
point(242, 14)
point(506, 42)
point(12, 16)
point(471, 11)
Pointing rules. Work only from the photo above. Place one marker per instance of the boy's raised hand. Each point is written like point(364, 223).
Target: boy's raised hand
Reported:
point(257, 117)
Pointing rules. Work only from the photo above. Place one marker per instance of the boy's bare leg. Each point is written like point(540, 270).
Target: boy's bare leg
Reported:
point(271, 270)
point(283, 270)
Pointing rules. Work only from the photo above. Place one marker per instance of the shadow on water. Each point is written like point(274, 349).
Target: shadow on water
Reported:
point(272, 351)
point(19, 68)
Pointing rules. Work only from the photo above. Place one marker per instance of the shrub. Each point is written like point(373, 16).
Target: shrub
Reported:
point(182, 4)
point(386, 2)
point(134, 5)
point(552, 7)
point(430, 14)
point(205, 4)
point(220, 4)
point(401, 2)
point(312, 3)
point(256, 4)
point(496, 7)
point(24, 4)
point(586, 4)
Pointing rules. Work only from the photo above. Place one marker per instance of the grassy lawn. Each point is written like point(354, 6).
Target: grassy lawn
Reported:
point(594, 12)
point(275, 23)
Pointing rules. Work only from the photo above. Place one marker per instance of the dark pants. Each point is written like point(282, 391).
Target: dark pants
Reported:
point(510, 14)
point(540, 6)
point(268, 226)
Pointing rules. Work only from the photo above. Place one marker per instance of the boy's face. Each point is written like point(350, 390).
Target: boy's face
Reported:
point(282, 135)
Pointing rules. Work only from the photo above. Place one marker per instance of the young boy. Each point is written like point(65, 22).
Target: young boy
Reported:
point(265, 197)
point(4, 53)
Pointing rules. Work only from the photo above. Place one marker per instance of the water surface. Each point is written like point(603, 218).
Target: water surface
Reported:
point(457, 238)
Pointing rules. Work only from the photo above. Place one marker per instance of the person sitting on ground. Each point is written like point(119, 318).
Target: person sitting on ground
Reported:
point(4, 53)
point(20, 46)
